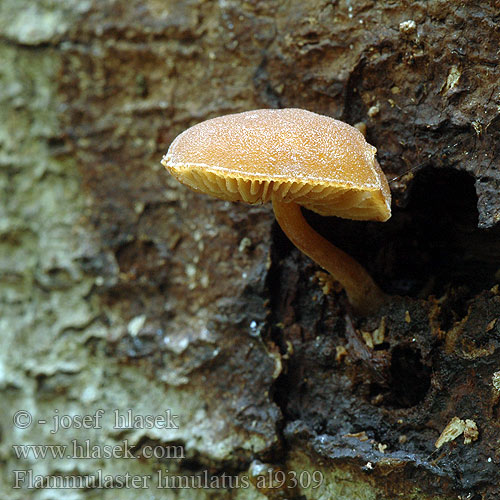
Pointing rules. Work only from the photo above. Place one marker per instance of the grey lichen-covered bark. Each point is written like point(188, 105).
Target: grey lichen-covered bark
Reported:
point(120, 289)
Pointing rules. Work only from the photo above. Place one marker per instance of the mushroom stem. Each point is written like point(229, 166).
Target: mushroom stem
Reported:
point(364, 295)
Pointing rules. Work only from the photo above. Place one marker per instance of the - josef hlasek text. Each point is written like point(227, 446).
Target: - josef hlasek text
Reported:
point(118, 419)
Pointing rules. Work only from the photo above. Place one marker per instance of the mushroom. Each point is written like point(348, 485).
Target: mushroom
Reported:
point(294, 158)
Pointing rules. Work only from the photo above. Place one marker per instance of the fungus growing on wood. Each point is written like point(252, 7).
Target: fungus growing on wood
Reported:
point(293, 158)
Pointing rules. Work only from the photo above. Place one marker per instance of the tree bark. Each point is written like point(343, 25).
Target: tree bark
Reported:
point(122, 290)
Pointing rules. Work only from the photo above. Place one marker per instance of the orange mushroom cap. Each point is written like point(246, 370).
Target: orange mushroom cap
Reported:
point(292, 155)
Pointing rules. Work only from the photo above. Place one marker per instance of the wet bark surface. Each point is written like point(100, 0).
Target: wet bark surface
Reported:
point(180, 301)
